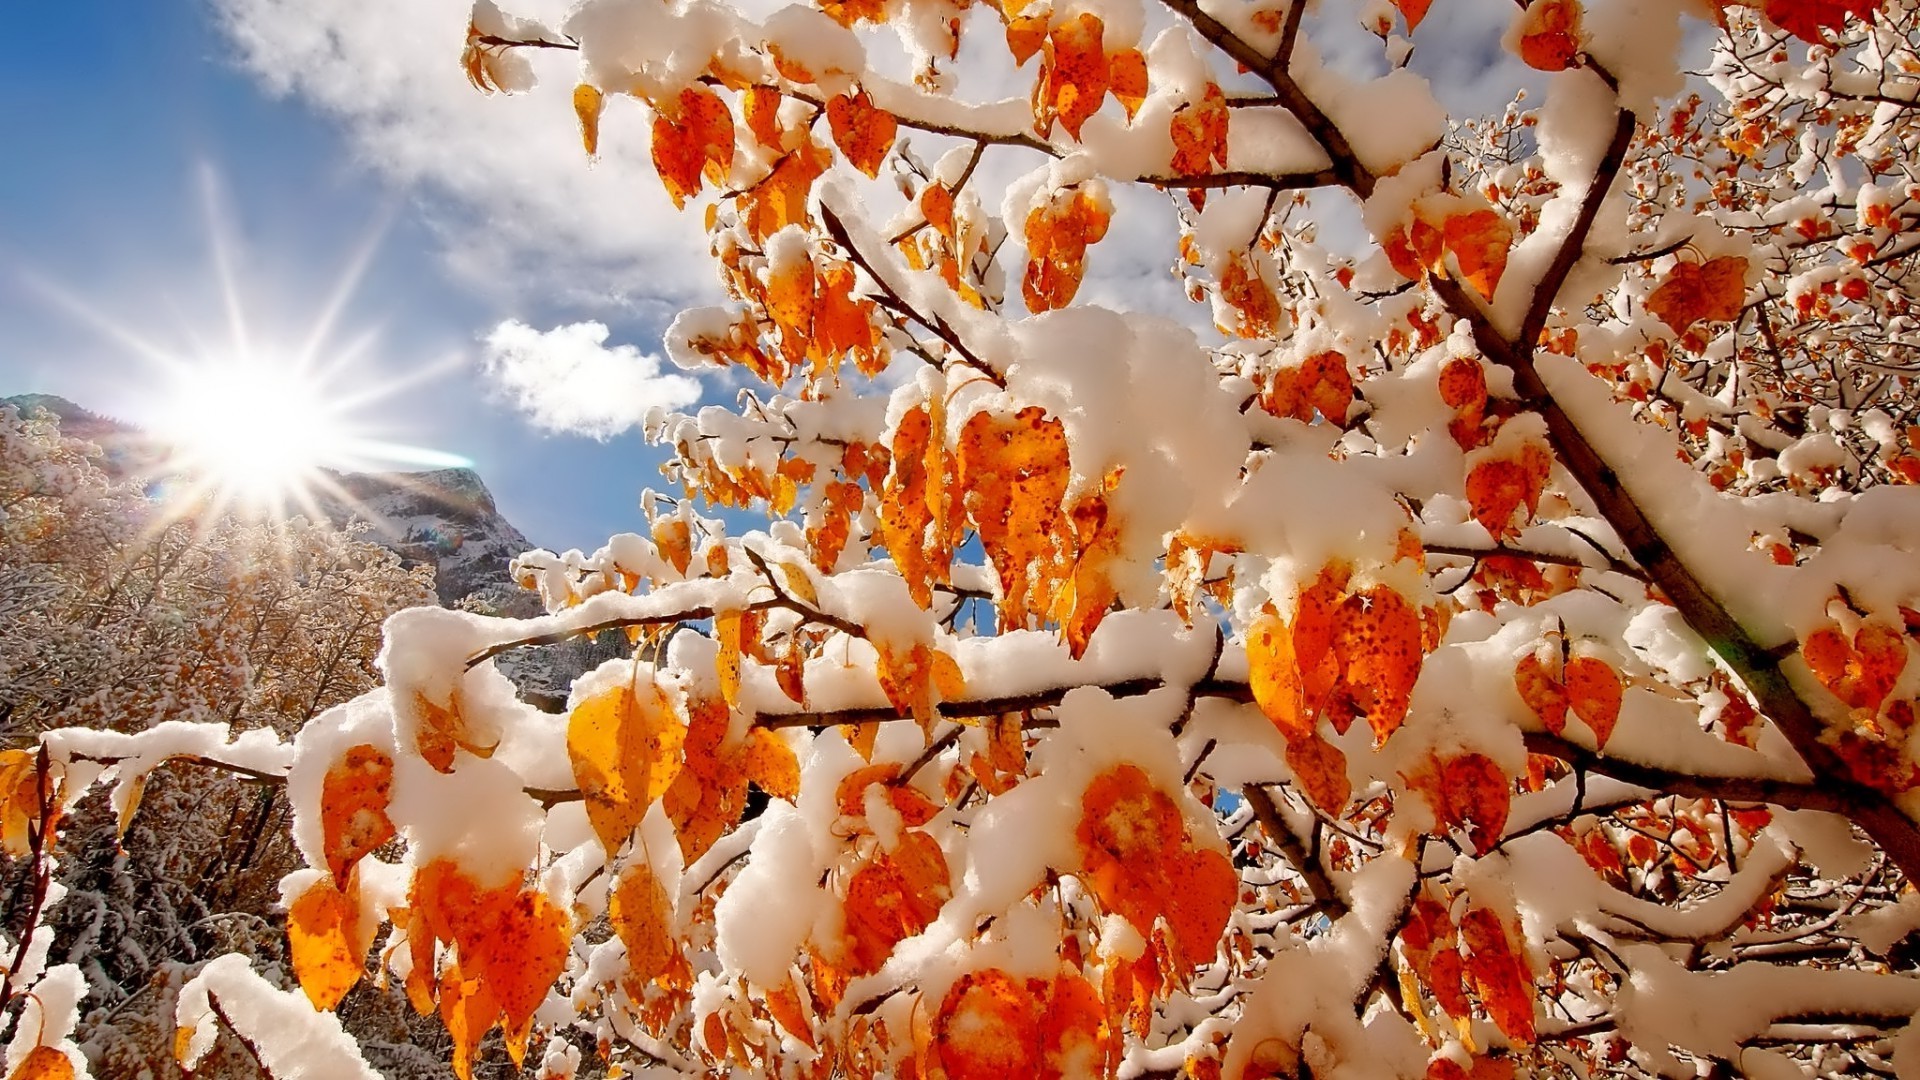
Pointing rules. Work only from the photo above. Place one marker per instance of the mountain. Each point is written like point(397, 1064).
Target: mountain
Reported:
point(445, 518)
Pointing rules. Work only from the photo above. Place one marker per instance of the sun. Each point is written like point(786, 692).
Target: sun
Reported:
point(254, 432)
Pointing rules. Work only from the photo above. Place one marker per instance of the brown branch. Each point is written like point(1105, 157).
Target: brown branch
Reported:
point(1289, 95)
point(954, 710)
point(1735, 789)
point(1318, 884)
point(936, 325)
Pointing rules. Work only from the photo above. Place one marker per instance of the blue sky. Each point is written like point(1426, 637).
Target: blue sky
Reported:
point(120, 118)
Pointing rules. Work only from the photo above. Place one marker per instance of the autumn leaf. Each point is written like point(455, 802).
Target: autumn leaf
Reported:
point(1200, 134)
point(1321, 771)
point(353, 809)
point(1466, 791)
point(1014, 471)
point(1073, 75)
point(1498, 487)
point(1378, 636)
point(1140, 861)
point(863, 131)
point(728, 630)
point(783, 1004)
point(1059, 231)
point(893, 897)
point(1542, 687)
point(1413, 11)
point(624, 744)
point(1127, 79)
point(1594, 692)
point(1715, 290)
point(914, 808)
point(442, 729)
point(587, 105)
point(1479, 241)
point(642, 916)
point(1499, 972)
point(1026, 35)
point(324, 943)
point(1861, 672)
point(1274, 675)
point(770, 763)
point(43, 1063)
point(1550, 34)
point(469, 1011)
point(692, 138)
point(760, 108)
point(19, 800)
point(988, 1028)
point(1810, 20)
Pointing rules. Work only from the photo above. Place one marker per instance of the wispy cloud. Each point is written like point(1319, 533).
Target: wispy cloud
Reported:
point(504, 178)
point(568, 379)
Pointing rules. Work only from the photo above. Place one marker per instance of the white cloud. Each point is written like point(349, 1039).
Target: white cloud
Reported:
point(567, 379)
point(507, 184)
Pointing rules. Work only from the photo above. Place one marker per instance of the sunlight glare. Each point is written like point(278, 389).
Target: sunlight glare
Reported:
point(257, 431)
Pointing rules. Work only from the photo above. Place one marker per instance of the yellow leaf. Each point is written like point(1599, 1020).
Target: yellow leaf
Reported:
point(353, 809)
point(770, 763)
point(47, 1063)
point(624, 745)
point(587, 104)
point(729, 627)
point(323, 936)
point(643, 917)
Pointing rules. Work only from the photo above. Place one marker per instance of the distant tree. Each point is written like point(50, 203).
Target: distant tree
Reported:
point(124, 613)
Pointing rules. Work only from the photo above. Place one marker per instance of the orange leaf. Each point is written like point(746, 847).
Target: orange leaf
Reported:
point(323, 943)
point(1073, 75)
point(1015, 472)
point(442, 730)
point(694, 138)
point(783, 1004)
point(729, 627)
point(624, 745)
point(1541, 688)
point(1467, 791)
point(1274, 674)
point(642, 916)
point(1413, 11)
point(1497, 487)
point(353, 809)
point(1321, 770)
point(469, 1011)
point(587, 104)
point(1059, 231)
point(1809, 20)
point(988, 1028)
point(780, 200)
point(1594, 691)
point(1499, 973)
point(1550, 34)
point(1862, 672)
point(1378, 636)
point(863, 131)
point(1139, 860)
point(1479, 241)
point(675, 541)
point(1714, 290)
point(1127, 78)
point(1200, 134)
point(892, 898)
point(44, 1063)
point(1026, 34)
